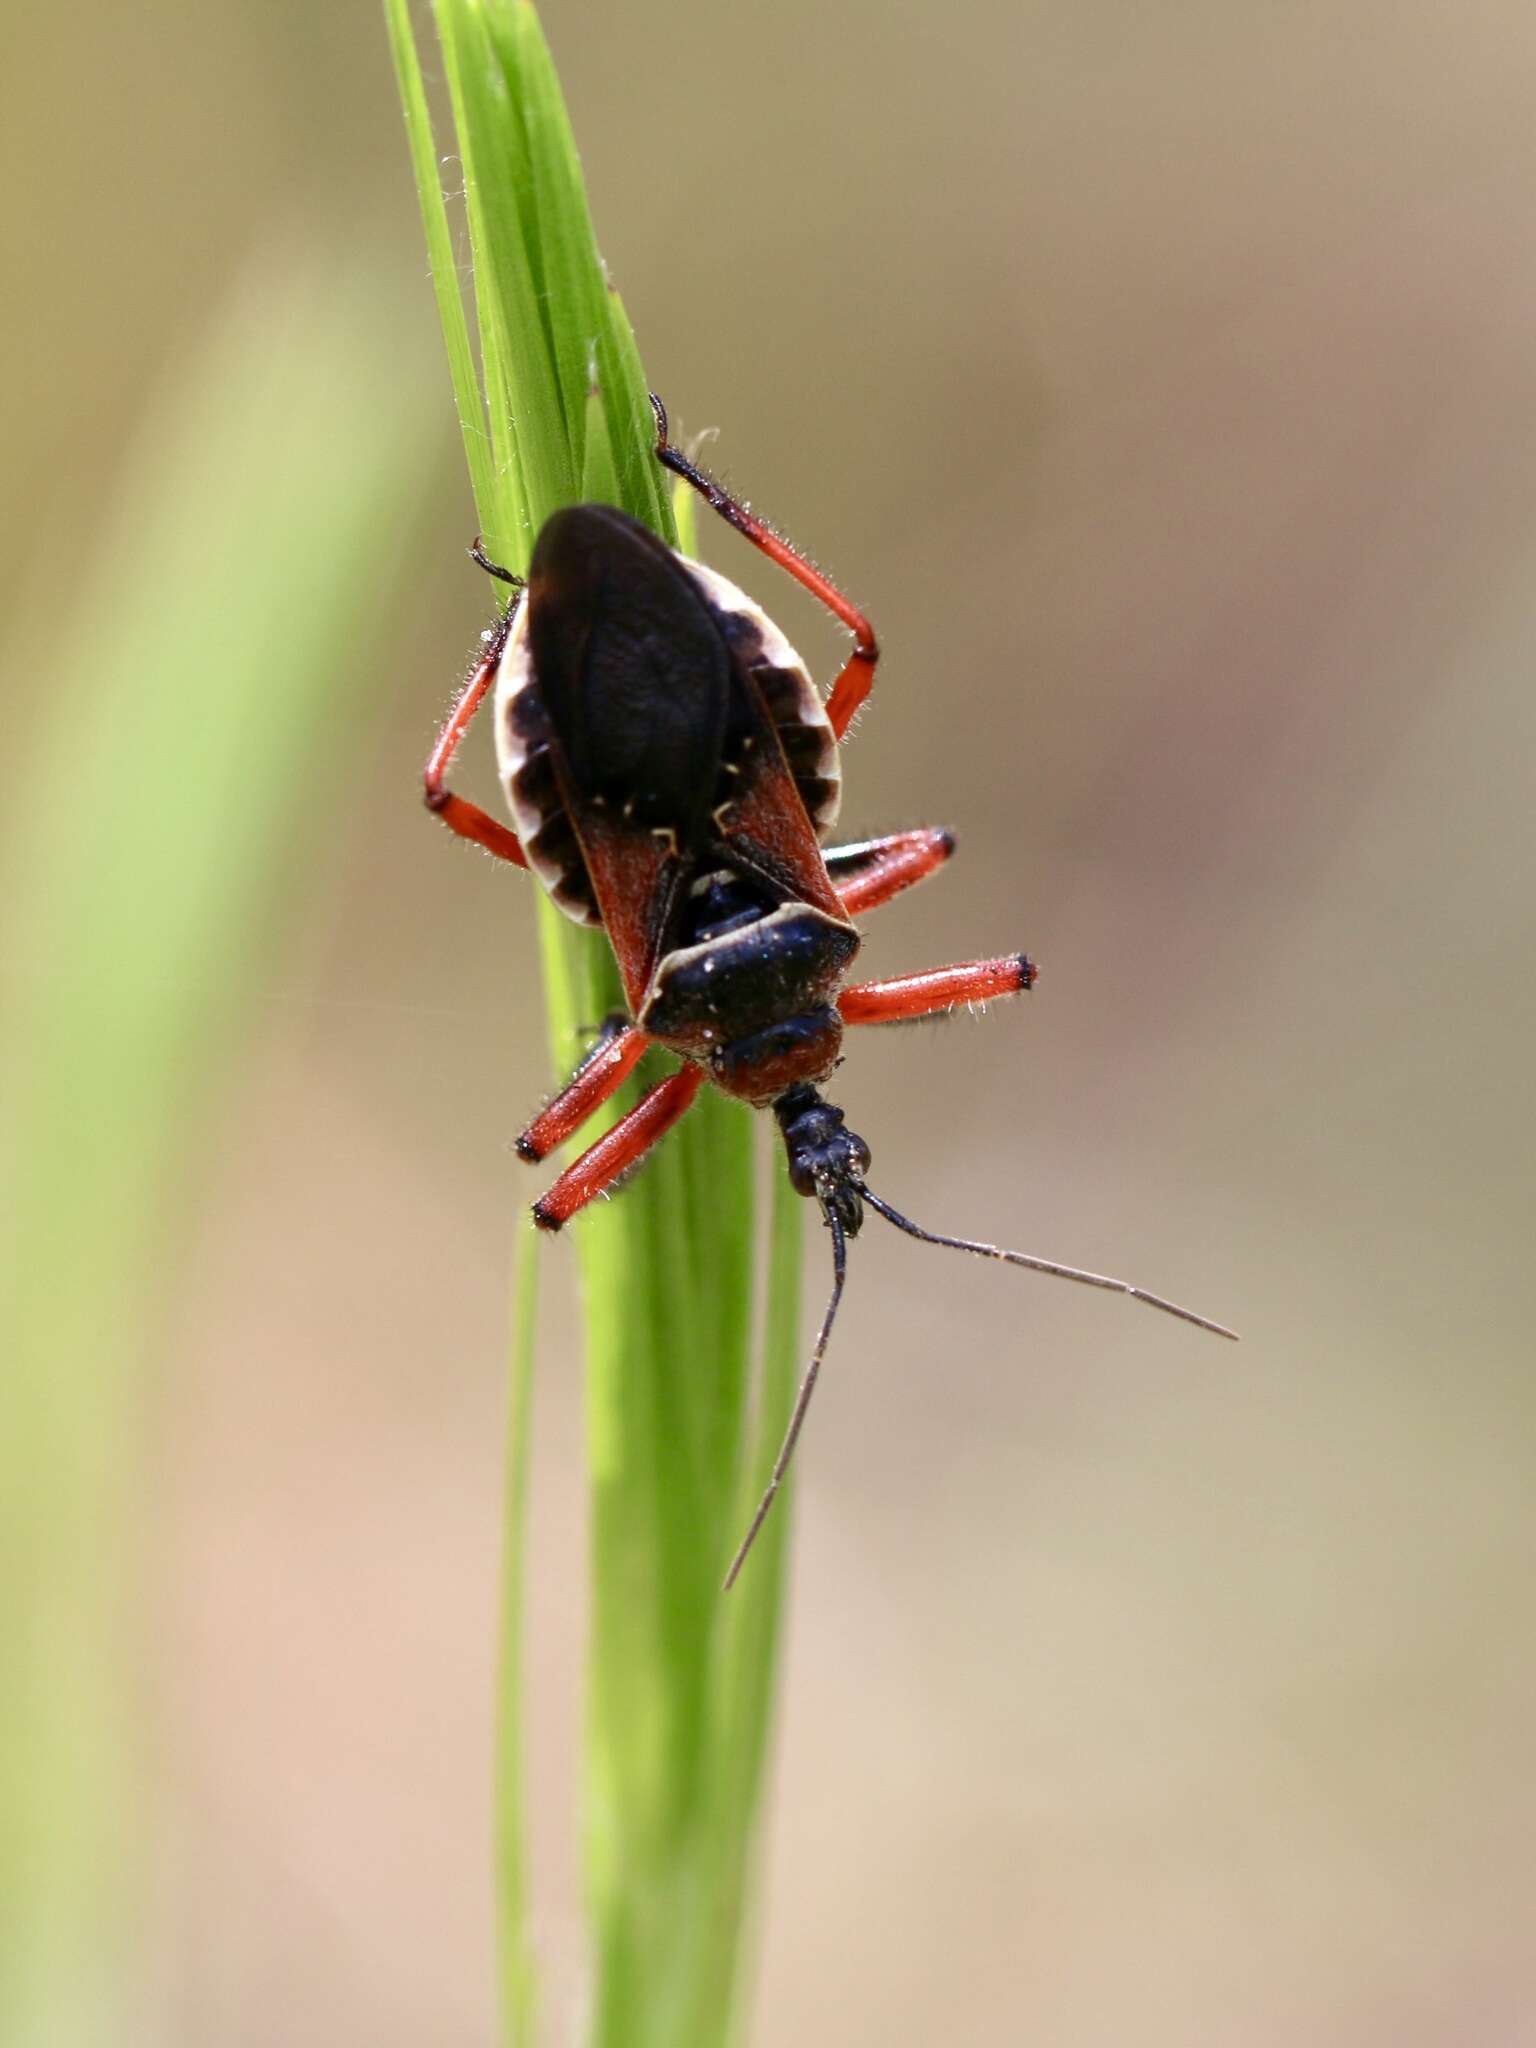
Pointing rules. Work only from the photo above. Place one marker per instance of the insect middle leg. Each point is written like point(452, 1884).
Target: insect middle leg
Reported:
point(857, 676)
point(940, 988)
point(871, 873)
point(619, 1149)
point(607, 1066)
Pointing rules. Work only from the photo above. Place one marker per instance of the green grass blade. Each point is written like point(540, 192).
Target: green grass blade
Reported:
point(679, 1677)
point(195, 699)
point(434, 221)
point(751, 1661)
point(533, 432)
point(599, 473)
point(518, 1978)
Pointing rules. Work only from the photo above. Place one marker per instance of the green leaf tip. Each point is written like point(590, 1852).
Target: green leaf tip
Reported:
point(554, 407)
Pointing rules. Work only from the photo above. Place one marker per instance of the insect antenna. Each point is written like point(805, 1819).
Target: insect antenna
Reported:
point(993, 1251)
point(802, 1399)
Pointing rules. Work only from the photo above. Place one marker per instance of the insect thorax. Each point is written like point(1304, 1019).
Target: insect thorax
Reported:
point(751, 994)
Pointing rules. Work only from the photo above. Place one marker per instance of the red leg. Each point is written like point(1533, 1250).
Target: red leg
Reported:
point(619, 1149)
point(858, 672)
point(456, 812)
point(941, 988)
point(870, 874)
point(601, 1074)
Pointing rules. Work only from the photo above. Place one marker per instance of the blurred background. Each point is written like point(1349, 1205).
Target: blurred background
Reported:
point(1164, 383)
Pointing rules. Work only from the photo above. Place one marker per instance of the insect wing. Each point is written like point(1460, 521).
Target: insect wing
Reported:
point(632, 669)
point(664, 745)
point(762, 825)
point(638, 685)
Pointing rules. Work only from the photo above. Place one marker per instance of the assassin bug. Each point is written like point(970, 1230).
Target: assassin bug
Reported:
point(671, 772)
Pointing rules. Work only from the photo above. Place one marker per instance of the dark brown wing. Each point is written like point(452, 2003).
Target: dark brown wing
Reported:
point(637, 686)
point(632, 669)
point(665, 751)
point(761, 823)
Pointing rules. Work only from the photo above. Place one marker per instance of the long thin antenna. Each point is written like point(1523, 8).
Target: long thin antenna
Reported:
point(992, 1251)
point(802, 1399)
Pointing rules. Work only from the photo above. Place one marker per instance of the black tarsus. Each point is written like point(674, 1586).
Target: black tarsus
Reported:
point(673, 458)
point(477, 554)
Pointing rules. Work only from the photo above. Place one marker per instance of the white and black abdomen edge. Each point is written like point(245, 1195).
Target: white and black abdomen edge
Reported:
point(527, 774)
point(804, 730)
point(528, 781)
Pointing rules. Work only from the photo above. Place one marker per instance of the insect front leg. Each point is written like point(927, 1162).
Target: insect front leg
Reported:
point(940, 988)
point(606, 1067)
point(619, 1149)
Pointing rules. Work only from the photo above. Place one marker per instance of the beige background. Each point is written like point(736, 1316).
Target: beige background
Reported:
point(1164, 381)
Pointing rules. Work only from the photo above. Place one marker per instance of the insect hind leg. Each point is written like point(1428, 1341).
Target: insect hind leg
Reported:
point(467, 819)
point(857, 675)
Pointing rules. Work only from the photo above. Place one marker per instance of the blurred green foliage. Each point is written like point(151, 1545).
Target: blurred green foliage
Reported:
point(187, 711)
